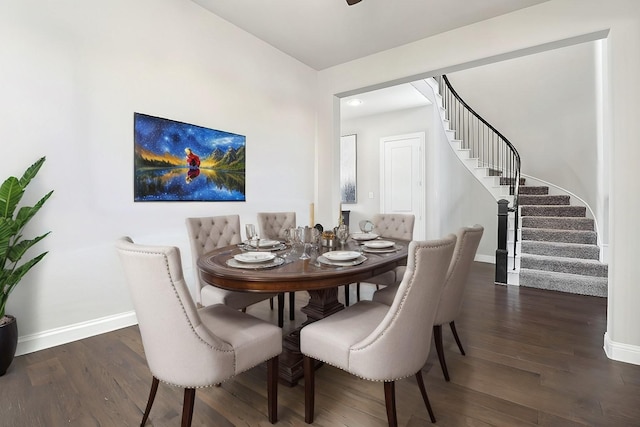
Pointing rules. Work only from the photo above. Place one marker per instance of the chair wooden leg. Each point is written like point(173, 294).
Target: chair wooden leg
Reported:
point(292, 306)
point(437, 337)
point(272, 389)
point(346, 295)
point(358, 291)
point(187, 407)
point(390, 402)
point(152, 396)
point(424, 396)
point(309, 389)
point(281, 309)
point(271, 303)
point(455, 335)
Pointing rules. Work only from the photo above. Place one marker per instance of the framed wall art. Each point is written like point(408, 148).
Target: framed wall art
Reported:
point(175, 161)
point(348, 154)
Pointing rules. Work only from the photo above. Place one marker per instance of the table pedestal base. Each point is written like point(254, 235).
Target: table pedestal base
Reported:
point(322, 303)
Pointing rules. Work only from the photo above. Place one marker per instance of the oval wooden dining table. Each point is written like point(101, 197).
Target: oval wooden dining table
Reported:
point(319, 280)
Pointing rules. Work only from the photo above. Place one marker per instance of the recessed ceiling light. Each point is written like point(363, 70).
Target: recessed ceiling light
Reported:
point(354, 102)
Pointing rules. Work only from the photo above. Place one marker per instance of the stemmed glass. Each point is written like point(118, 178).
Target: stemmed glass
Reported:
point(304, 234)
point(342, 234)
point(250, 229)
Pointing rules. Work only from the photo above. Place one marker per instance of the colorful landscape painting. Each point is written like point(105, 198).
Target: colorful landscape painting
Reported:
point(177, 161)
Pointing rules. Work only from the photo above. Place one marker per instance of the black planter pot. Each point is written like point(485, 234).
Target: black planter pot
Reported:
point(8, 343)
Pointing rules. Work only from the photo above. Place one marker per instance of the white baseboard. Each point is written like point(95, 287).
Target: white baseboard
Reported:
point(78, 331)
point(621, 352)
point(489, 259)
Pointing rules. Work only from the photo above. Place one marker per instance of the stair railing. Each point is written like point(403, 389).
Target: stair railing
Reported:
point(492, 149)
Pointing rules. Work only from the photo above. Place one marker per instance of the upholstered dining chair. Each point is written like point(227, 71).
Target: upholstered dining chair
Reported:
point(468, 239)
point(190, 347)
point(390, 226)
point(378, 342)
point(272, 225)
point(209, 233)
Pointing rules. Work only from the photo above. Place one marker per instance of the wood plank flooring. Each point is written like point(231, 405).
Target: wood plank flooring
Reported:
point(534, 358)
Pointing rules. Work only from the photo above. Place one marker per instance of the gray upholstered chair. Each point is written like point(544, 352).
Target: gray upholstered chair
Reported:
point(189, 347)
point(468, 239)
point(390, 226)
point(272, 225)
point(378, 342)
point(207, 234)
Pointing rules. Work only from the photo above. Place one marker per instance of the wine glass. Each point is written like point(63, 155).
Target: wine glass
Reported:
point(250, 229)
point(342, 234)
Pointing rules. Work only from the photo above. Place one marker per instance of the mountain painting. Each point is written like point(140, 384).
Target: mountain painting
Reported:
point(175, 161)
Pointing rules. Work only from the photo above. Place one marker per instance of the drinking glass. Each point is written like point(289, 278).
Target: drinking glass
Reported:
point(342, 234)
point(250, 229)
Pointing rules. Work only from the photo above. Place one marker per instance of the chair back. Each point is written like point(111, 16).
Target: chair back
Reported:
point(394, 226)
point(273, 224)
point(455, 283)
point(398, 347)
point(209, 233)
point(179, 349)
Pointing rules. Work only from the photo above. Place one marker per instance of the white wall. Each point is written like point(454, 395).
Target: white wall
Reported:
point(73, 73)
point(369, 130)
point(538, 28)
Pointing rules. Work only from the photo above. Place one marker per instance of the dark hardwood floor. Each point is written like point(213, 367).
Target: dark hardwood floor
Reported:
point(534, 358)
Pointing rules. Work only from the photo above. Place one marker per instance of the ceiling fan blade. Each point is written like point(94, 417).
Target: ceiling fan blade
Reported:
point(352, 2)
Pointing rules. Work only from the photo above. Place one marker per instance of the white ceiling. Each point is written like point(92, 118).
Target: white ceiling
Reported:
point(324, 33)
point(381, 101)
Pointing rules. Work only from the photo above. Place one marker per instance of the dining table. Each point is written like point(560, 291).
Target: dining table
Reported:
point(283, 270)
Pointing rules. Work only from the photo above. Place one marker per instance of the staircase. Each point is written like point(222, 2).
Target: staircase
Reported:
point(558, 245)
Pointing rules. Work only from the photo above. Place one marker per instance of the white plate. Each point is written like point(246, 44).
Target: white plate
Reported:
point(341, 255)
point(231, 262)
point(265, 243)
point(379, 244)
point(350, 263)
point(254, 257)
point(364, 236)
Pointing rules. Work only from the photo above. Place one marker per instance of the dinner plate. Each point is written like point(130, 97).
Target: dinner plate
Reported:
point(378, 244)
point(264, 243)
point(380, 251)
point(359, 260)
point(231, 262)
point(254, 257)
point(341, 255)
point(364, 236)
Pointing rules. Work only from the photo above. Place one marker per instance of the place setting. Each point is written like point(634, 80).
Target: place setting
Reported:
point(341, 258)
point(255, 260)
point(379, 246)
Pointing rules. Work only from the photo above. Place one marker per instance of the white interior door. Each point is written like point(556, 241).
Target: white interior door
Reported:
point(402, 178)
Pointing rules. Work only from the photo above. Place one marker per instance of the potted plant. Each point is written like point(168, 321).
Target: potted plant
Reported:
point(12, 248)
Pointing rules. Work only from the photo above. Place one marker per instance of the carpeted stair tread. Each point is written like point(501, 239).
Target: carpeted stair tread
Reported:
point(567, 250)
point(586, 237)
point(558, 211)
point(546, 200)
point(533, 190)
point(584, 267)
point(557, 223)
point(509, 181)
point(563, 282)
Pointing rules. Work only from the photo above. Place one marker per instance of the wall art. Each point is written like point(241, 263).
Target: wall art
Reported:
point(177, 161)
point(348, 153)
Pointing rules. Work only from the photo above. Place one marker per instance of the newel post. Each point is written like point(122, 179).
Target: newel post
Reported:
point(502, 252)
